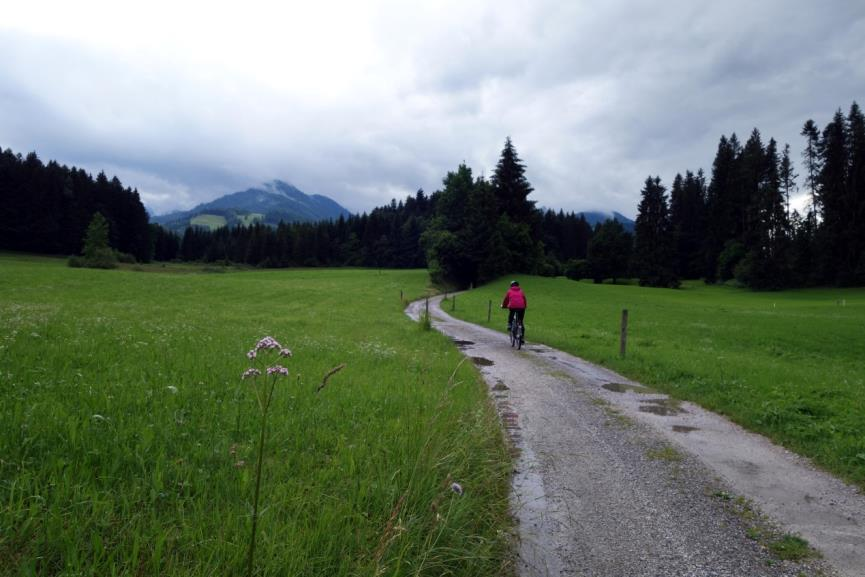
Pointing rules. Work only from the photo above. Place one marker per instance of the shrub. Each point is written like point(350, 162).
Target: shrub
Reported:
point(734, 251)
point(125, 258)
point(75, 261)
point(101, 258)
point(577, 269)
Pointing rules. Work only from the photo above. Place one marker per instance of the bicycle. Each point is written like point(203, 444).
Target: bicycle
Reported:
point(516, 333)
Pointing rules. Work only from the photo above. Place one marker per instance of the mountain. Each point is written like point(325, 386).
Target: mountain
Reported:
point(270, 203)
point(595, 217)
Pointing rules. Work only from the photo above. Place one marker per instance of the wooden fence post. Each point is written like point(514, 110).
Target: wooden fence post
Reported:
point(489, 310)
point(427, 307)
point(454, 303)
point(623, 341)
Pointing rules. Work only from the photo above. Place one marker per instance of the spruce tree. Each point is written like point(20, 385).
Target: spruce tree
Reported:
point(856, 193)
point(97, 251)
point(833, 251)
point(653, 239)
point(512, 188)
point(811, 161)
point(687, 222)
point(788, 177)
point(720, 205)
point(765, 265)
point(609, 251)
point(447, 255)
point(751, 175)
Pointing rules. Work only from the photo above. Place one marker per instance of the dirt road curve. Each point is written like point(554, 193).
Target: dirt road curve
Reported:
point(613, 480)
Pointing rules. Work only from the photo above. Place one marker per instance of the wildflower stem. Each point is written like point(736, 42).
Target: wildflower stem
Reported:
point(264, 408)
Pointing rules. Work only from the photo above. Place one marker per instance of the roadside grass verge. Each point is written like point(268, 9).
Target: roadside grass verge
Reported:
point(129, 438)
point(790, 365)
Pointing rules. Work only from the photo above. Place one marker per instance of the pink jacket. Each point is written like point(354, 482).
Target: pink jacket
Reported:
point(515, 298)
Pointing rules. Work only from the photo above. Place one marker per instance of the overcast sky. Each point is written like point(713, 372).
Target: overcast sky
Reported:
point(368, 100)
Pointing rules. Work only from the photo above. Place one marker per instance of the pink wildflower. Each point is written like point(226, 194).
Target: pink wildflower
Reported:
point(251, 354)
point(457, 488)
point(268, 343)
point(285, 353)
point(252, 372)
point(277, 370)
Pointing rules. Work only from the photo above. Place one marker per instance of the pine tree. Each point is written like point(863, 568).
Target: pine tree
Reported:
point(512, 188)
point(751, 176)
point(765, 265)
point(609, 251)
point(720, 205)
point(653, 238)
point(788, 177)
point(97, 251)
point(811, 160)
point(855, 222)
point(833, 252)
point(444, 240)
point(687, 222)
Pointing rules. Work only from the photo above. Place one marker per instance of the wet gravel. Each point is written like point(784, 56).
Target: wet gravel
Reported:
point(598, 493)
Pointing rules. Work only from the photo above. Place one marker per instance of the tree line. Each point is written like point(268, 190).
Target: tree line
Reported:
point(469, 232)
point(740, 225)
point(46, 208)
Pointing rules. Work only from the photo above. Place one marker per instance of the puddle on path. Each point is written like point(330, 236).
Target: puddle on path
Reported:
point(663, 407)
point(480, 361)
point(461, 343)
point(623, 388)
point(500, 386)
point(684, 429)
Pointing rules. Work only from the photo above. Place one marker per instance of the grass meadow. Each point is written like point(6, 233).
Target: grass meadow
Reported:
point(128, 439)
point(790, 365)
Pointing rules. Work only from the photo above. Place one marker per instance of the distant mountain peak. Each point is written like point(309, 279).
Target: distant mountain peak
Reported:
point(269, 202)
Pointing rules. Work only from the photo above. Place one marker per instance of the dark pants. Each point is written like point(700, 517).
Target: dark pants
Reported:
point(519, 314)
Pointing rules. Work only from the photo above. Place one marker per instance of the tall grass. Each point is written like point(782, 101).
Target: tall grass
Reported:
point(790, 365)
point(128, 440)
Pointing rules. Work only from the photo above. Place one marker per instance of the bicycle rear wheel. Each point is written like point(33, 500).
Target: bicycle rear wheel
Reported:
point(519, 337)
point(513, 334)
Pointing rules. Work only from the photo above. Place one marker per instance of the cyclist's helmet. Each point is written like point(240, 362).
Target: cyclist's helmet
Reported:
point(515, 283)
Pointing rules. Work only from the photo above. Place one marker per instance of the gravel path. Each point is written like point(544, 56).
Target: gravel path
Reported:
point(614, 480)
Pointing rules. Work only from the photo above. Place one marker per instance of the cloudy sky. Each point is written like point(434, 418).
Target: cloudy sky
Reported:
point(368, 100)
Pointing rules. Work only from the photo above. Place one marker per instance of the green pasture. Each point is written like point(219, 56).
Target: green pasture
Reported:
point(210, 221)
point(127, 438)
point(251, 218)
point(788, 364)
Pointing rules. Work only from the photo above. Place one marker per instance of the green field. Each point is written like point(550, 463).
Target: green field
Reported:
point(209, 221)
point(251, 218)
point(790, 365)
point(127, 438)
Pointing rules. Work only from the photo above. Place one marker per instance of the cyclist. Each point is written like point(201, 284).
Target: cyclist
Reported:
point(515, 302)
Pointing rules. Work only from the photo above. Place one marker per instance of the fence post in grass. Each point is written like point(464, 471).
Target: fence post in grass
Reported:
point(427, 307)
point(454, 303)
point(401, 299)
point(489, 310)
point(623, 340)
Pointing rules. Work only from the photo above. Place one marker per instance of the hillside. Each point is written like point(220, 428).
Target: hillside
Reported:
point(271, 203)
point(595, 217)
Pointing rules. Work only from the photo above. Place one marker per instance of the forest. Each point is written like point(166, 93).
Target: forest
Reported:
point(734, 225)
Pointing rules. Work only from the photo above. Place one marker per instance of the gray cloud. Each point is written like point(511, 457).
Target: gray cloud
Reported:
point(367, 101)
